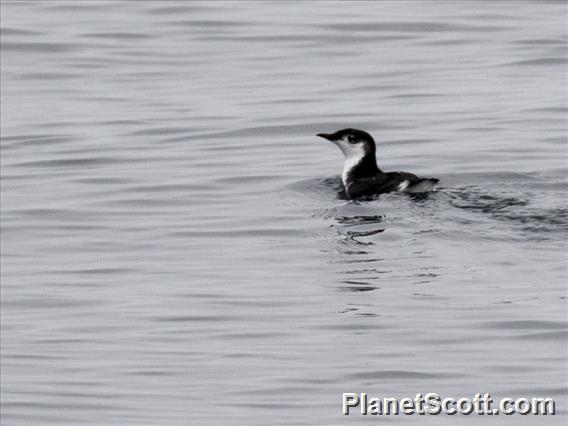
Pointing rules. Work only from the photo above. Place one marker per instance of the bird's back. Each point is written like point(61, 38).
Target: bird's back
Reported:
point(388, 182)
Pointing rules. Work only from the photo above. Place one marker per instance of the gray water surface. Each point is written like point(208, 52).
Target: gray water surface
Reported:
point(175, 245)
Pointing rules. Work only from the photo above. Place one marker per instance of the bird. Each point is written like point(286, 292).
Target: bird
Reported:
point(361, 176)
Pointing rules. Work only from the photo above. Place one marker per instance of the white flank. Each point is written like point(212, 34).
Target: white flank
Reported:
point(403, 185)
point(424, 186)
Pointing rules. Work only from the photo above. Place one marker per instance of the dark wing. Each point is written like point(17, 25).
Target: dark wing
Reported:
point(382, 183)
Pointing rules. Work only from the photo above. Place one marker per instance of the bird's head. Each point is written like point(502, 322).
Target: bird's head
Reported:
point(354, 144)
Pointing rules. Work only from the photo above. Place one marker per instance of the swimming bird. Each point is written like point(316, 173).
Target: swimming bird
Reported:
point(361, 176)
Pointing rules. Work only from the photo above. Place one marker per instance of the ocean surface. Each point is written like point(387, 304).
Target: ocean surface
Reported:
point(176, 248)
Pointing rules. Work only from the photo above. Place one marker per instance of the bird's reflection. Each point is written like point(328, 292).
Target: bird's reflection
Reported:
point(361, 248)
point(356, 286)
point(353, 247)
point(353, 228)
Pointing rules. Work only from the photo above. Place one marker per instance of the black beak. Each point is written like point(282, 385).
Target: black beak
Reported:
point(325, 136)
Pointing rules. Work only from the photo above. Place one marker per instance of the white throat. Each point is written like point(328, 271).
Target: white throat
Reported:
point(353, 156)
point(349, 165)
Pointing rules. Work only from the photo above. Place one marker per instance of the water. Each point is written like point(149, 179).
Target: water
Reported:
point(175, 246)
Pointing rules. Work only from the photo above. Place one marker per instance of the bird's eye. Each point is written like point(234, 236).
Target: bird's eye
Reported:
point(352, 139)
